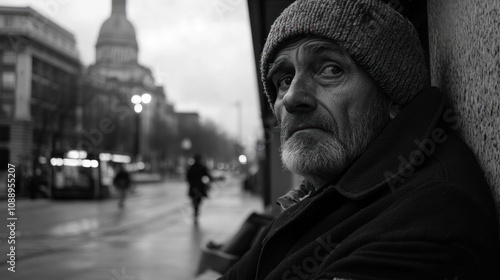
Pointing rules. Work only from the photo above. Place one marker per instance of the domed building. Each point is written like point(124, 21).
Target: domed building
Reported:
point(116, 42)
point(108, 87)
point(117, 50)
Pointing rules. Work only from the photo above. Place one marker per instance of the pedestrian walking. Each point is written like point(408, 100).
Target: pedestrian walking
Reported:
point(36, 183)
point(122, 184)
point(198, 178)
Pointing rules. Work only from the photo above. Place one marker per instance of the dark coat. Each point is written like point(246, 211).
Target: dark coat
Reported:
point(387, 218)
point(197, 188)
point(122, 180)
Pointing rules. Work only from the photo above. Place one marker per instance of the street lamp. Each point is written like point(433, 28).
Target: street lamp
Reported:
point(186, 146)
point(242, 159)
point(239, 146)
point(138, 100)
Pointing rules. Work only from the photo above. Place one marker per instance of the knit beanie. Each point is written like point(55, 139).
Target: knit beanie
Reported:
point(380, 39)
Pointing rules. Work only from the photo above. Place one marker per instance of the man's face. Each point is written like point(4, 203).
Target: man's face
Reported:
point(328, 107)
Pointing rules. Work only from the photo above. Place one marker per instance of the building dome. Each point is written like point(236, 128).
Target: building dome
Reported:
point(117, 43)
point(117, 30)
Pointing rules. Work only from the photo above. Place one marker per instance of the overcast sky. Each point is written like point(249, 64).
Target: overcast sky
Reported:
point(199, 50)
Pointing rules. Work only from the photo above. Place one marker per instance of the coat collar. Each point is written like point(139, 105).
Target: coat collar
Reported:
point(416, 121)
point(365, 176)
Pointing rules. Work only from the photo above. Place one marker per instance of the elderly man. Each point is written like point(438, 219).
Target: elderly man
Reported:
point(390, 191)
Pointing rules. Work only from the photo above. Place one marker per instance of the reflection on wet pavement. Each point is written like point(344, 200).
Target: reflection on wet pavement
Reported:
point(152, 238)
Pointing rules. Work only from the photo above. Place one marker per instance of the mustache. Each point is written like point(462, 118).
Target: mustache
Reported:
point(293, 122)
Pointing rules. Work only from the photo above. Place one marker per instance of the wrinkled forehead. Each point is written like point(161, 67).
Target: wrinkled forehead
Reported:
point(312, 46)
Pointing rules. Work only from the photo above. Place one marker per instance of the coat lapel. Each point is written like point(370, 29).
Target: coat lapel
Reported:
point(383, 157)
point(363, 177)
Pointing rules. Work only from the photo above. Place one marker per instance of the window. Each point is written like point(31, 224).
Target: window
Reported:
point(9, 58)
point(4, 133)
point(9, 20)
point(4, 159)
point(6, 112)
point(8, 80)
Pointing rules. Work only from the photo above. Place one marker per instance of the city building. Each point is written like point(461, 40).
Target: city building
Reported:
point(50, 103)
point(39, 71)
point(140, 127)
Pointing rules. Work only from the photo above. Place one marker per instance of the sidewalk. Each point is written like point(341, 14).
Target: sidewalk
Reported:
point(174, 251)
point(154, 237)
point(146, 177)
point(221, 217)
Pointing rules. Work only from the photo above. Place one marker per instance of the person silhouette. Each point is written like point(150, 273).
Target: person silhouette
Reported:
point(122, 184)
point(198, 178)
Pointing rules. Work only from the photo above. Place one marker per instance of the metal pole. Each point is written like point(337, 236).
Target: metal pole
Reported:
point(137, 148)
point(240, 127)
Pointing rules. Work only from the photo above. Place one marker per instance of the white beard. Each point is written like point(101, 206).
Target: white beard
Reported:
point(325, 155)
point(307, 154)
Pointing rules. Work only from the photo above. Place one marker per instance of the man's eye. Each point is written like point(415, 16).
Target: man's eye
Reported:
point(331, 71)
point(284, 83)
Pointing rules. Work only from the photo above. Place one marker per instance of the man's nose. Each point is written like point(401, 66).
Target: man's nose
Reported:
point(300, 96)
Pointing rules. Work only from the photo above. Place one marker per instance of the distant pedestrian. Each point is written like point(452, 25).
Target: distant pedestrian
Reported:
point(38, 184)
point(122, 184)
point(198, 178)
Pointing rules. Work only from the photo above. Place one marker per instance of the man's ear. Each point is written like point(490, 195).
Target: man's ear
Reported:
point(394, 110)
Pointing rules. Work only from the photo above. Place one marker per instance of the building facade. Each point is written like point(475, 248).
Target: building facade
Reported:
point(39, 70)
point(107, 90)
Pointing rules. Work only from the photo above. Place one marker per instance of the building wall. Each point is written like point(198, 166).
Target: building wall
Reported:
point(39, 66)
point(275, 180)
point(108, 119)
point(38, 77)
point(465, 63)
point(8, 62)
point(109, 122)
point(29, 23)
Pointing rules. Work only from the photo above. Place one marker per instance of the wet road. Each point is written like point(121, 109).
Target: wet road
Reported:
point(152, 238)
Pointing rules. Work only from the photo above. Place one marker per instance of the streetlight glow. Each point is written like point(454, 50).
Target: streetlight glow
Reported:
point(138, 108)
point(242, 159)
point(186, 144)
point(136, 99)
point(139, 100)
point(146, 98)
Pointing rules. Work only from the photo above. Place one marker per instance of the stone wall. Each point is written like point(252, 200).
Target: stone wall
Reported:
point(464, 42)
